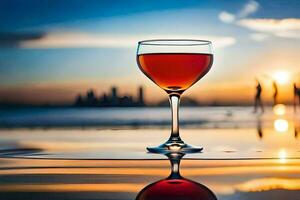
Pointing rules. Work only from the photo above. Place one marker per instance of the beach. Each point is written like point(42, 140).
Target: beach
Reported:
point(63, 161)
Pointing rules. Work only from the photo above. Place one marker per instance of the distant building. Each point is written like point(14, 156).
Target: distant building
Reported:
point(91, 99)
point(141, 96)
point(104, 100)
point(112, 100)
point(114, 96)
point(79, 101)
point(126, 101)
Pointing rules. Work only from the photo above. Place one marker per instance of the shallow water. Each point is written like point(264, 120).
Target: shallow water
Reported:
point(194, 117)
point(245, 156)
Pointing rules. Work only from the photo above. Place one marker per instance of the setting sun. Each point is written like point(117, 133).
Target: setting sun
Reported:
point(281, 77)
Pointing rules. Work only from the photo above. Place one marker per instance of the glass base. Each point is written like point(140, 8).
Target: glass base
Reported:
point(178, 146)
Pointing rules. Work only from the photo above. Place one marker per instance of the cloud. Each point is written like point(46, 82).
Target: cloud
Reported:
point(226, 17)
point(87, 40)
point(286, 28)
point(79, 40)
point(259, 37)
point(14, 39)
point(271, 25)
point(263, 28)
point(288, 34)
point(249, 8)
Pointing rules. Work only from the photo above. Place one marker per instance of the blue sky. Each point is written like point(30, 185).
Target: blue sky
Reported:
point(47, 47)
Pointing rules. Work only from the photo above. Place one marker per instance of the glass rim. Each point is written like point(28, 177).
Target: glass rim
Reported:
point(175, 42)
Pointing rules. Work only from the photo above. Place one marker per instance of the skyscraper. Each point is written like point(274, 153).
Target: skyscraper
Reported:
point(141, 96)
point(114, 96)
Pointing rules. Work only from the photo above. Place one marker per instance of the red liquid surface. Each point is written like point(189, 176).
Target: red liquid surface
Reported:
point(176, 189)
point(175, 72)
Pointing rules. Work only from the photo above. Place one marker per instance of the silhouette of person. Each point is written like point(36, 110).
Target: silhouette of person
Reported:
point(296, 94)
point(257, 100)
point(275, 94)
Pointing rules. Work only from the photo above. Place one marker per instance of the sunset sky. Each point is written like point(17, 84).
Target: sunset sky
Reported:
point(52, 50)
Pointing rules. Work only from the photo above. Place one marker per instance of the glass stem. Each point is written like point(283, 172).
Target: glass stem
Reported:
point(174, 101)
point(175, 174)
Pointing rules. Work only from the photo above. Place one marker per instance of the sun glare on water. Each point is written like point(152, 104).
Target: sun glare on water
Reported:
point(281, 125)
point(279, 109)
point(282, 156)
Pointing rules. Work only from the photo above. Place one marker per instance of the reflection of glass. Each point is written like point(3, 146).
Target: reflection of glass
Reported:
point(175, 187)
point(174, 65)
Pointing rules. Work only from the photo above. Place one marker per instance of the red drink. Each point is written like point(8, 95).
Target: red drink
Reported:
point(174, 65)
point(175, 72)
point(176, 189)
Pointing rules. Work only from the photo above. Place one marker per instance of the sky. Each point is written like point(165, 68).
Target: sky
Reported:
point(52, 50)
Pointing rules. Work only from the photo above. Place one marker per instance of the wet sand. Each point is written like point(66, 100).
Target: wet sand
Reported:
point(123, 179)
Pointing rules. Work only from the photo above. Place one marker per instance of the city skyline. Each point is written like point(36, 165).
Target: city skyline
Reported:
point(110, 99)
point(115, 96)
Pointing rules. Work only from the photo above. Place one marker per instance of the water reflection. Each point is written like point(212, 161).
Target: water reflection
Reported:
point(279, 109)
point(282, 155)
point(296, 127)
point(259, 127)
point(175, 186)
point(282, 122)
point(281, 125)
